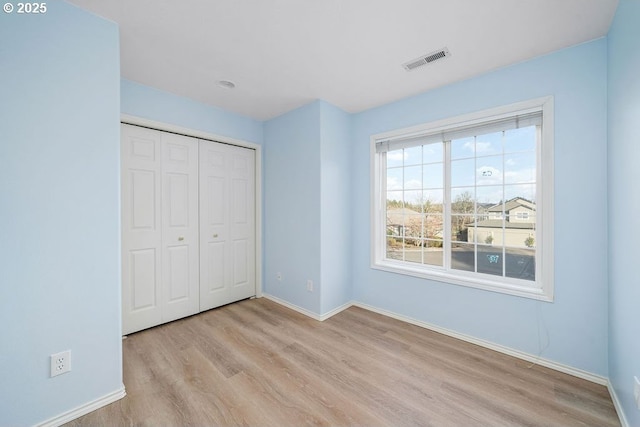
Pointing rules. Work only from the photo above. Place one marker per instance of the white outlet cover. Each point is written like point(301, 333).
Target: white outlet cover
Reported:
point(60, 363)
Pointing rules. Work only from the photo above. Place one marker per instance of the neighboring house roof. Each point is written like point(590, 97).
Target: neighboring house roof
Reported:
point(400, 216)
point(497, 223)
point(512, 204)
point(484, 207)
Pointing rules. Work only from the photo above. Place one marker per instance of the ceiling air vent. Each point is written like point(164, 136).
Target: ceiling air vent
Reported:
point(426, 59)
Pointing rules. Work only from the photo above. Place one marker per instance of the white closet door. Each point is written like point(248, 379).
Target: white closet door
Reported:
point(141, 227)
point(180, 258)
point(227, 224)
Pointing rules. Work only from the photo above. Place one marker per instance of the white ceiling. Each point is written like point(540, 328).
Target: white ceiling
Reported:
point(282, 54)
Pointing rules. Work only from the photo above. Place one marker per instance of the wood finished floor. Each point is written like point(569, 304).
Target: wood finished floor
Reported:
point(256, 363)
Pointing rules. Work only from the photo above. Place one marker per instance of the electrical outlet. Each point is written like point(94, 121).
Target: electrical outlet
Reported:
point(310, 285)
point(636, 391)
point(279, 276)
point(60, 363)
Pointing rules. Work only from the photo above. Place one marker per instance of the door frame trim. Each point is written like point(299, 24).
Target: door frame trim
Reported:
point(167, 127)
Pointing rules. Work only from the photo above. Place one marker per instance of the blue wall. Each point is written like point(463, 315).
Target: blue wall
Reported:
point(150, 103)
point(624, 176)
point(576, 322)
point(335, 199)
point(60, 211)
point(307, 195)
point(292, 206)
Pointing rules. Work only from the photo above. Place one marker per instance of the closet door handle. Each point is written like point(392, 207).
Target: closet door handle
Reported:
point(181, 238)
point(215, 235)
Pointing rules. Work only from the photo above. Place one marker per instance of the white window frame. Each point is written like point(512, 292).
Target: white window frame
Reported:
point(543, 287)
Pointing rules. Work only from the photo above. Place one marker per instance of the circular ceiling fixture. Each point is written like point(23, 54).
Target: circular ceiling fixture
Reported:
point(226, 84)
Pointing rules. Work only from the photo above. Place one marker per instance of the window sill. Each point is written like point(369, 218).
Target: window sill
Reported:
point(478, 283)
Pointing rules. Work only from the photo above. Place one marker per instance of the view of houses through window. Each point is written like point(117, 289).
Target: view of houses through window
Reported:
point(466, 204)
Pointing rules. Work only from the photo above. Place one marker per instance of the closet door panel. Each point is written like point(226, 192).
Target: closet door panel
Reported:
point(180, 260)
point(242, 224)
point(178, 199)
point(240, 264)
point(141, 228)
point(215, 267)
point(142, 187)
point(178, 277)
point(143, 293)
point(227, 227)
point(214, 218)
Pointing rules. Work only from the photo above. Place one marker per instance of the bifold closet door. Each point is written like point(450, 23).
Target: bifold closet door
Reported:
point(227, 224)
point(180, 228)
point(160, 258)
point(141, 228)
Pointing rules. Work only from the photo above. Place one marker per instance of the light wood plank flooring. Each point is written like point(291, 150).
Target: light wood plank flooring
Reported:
point(256, 363)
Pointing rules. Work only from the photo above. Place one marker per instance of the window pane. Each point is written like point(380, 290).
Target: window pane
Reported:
point(462, 148)
point(489, 170)
point(490, 260)
point(462, 257)
point(433, 153)
point(413, 199)
point(523, 191)
point(413, 252)
point(396, 221)
point(486, 234)
point(460, 227)
point(413, 156)
point(520, 230)
point(394, 248)
point(488, 144)
point(523, 139)
point(394, 178)
point(395, 158)
point(413, 228)
point(412, 177)
point(433, 252)
point(433, 176)
point(462, 200)
point(463, 173)
point(395, 199)
point(489, 200)
point(520, 167)
point(520, 263)
point(433, 201)
point(433, 226)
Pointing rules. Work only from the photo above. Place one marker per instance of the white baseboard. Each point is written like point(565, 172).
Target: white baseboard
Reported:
point(617, 405)
point(293, 307)
point(308, 313)
point(84, 409)
point(336, 310)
